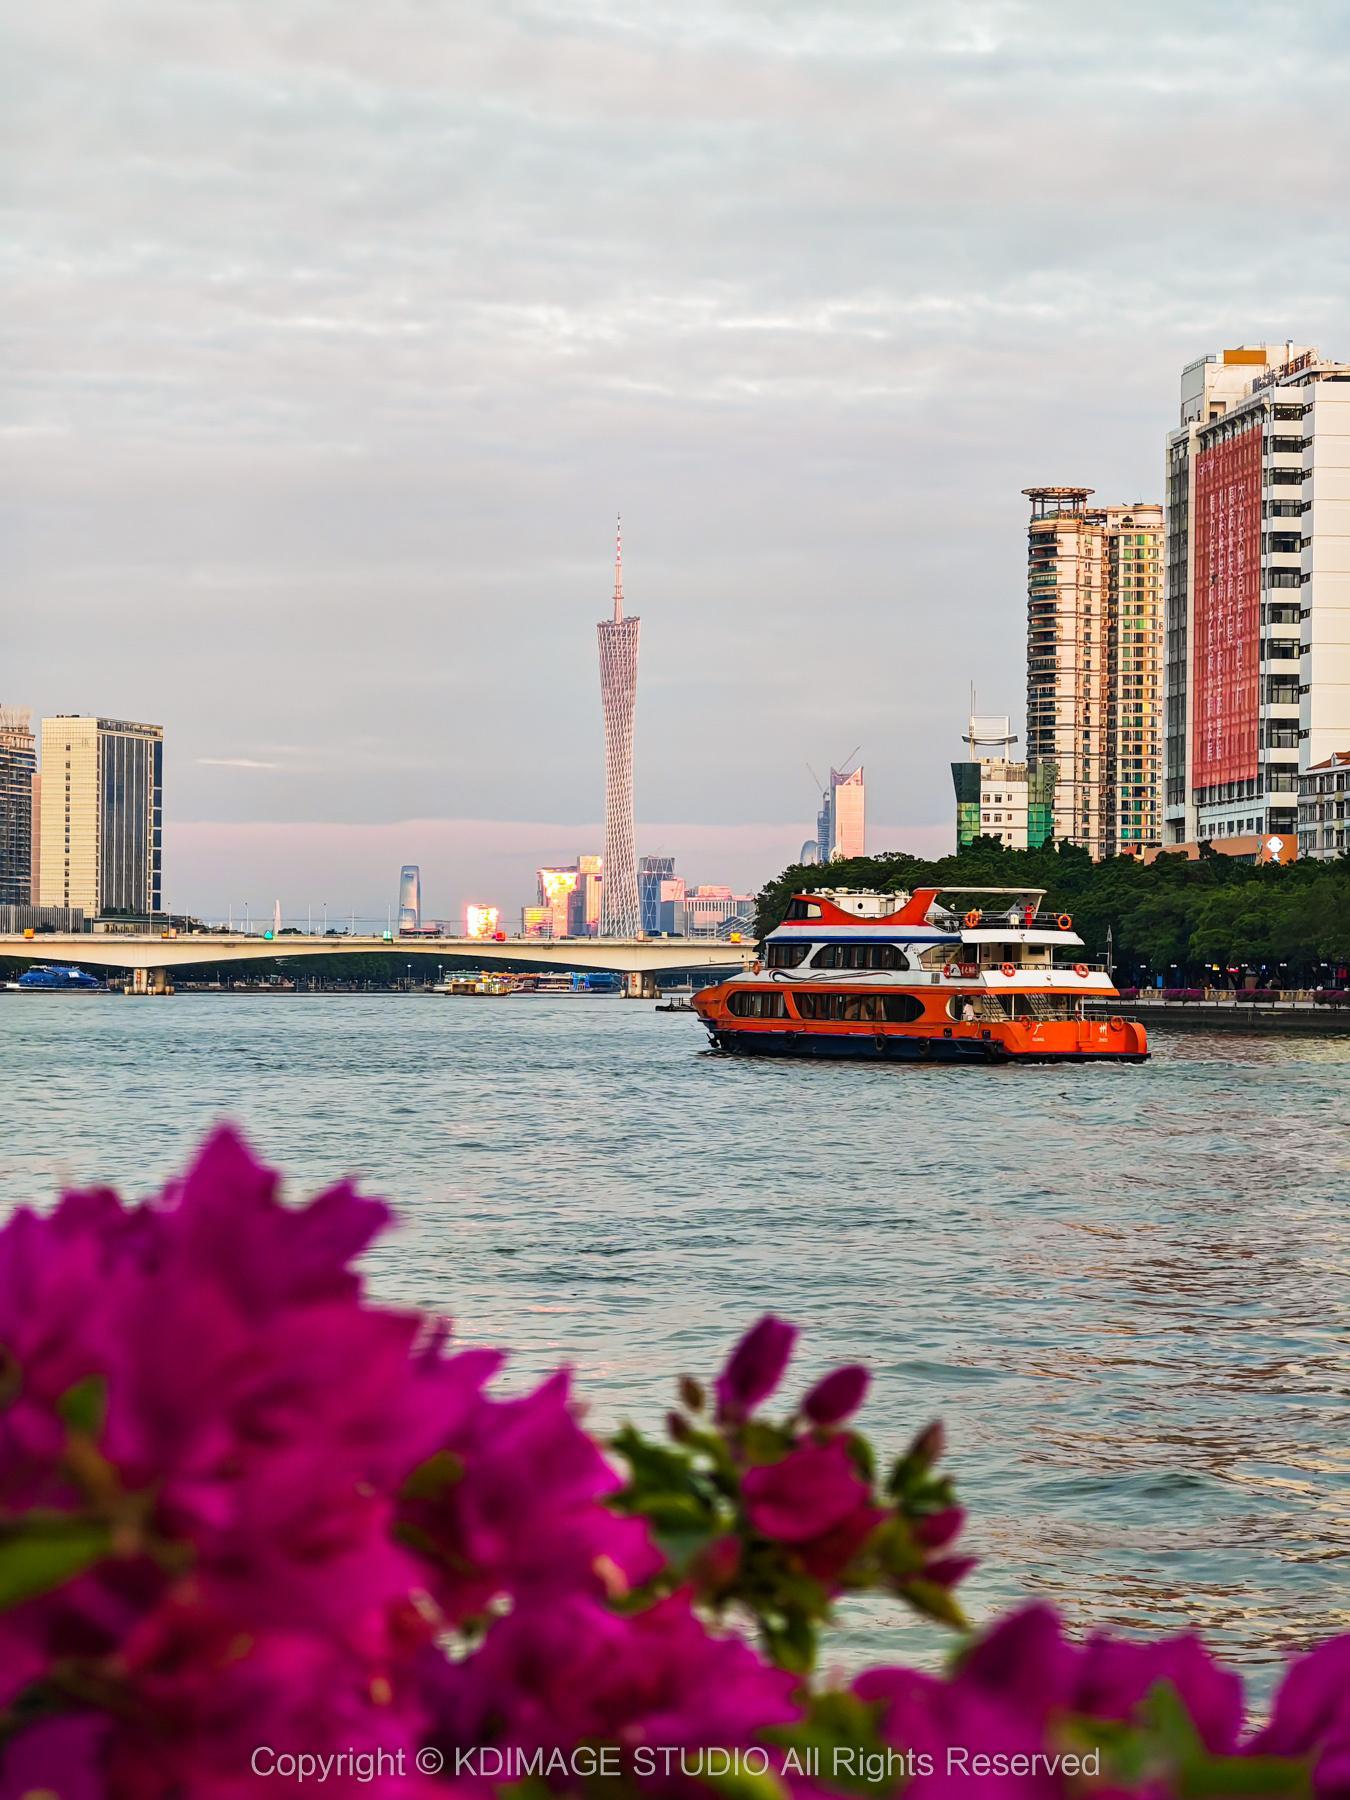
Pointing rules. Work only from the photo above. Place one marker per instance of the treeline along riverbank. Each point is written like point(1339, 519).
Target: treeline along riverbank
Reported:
point(1211, 922)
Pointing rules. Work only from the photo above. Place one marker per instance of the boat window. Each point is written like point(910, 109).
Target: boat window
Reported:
point(937, 956)
point(786, 956)
point(861, 956)
point(802, 909)
point(859, 1009)
point(755, 1003)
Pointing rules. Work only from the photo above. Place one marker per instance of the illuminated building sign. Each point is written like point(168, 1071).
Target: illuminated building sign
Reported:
point(481, 921)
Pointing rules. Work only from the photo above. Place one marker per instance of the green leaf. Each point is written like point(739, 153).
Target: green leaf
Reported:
point(431, 1479)
point(40, 1552)
point(1230, 1777)
point(935, 1602)
point(84, 1407)
point(654, 1467)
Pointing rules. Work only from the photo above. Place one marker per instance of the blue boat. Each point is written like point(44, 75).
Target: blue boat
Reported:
point(58, 978)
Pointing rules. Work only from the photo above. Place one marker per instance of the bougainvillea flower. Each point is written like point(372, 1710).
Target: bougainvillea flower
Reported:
point(837, 1396)
point(754, 1368)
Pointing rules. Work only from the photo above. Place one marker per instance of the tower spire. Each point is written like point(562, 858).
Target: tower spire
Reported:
point(618, 567)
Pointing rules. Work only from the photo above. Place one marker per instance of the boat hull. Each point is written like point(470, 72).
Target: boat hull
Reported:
point(886, 1047)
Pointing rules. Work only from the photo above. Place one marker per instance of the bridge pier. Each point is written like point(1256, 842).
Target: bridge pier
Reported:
point(150, 981)
point(638, 985)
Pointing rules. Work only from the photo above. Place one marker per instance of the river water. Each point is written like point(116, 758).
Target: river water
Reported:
point(1123, 1289)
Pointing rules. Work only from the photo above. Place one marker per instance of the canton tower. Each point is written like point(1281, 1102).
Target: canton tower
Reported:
point(619, 914)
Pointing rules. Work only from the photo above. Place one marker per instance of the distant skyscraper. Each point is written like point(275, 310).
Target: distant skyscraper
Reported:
point(620, 914)
point(556, 888)
point(102, 815)
point(410, 897)
point(652, 871)
point(583, 913)
point(841, 824)
point(18, 762)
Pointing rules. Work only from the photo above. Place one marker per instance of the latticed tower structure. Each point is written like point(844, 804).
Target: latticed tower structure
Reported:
point(619, 912)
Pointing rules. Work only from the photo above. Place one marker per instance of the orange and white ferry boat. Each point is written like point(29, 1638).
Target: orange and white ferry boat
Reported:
point(939, 975)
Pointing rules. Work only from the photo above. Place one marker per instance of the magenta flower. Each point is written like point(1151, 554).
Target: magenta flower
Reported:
point(837, 1396)
point(62, 1757)
point(523, 1511)
point(577, 1672)
point(814, 1501)
point(754, 1368)
point(1310, 1719)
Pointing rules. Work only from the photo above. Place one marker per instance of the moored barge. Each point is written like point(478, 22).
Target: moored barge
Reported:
point(939, 975)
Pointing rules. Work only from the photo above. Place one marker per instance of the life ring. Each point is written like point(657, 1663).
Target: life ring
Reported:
point(1007, 969)
point(1065, 922)
point(1116, 1023)
point(972, 919)
point(1080, 969)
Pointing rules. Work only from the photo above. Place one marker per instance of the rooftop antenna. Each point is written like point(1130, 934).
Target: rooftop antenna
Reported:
point(618, 567)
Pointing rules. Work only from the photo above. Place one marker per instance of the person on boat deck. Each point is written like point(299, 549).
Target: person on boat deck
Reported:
point(967, 1012)
point(1014, 915)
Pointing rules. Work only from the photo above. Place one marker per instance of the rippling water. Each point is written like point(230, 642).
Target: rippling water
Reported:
point(1124, 1289)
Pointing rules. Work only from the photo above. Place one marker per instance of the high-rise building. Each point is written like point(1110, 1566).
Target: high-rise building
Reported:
point(102, 815)
point(410, 897)
point(711, 911)
point(841, 823)
point(583, 914)
point(1258, 588)
point(620, 914)
point(556, 888)
point(652, 871)
point(1094, 666)
point(997, 796)
point(18, 780)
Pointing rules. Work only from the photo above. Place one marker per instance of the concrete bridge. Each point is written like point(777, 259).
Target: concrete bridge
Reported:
point(152, 958)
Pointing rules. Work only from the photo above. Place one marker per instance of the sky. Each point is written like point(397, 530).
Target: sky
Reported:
point(336, 335)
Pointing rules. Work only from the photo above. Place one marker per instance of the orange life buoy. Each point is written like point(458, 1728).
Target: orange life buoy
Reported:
point(1007, 969)
point(1117, 1023)
point(951, 970)
point(1080, 969)
point(972, 919)
point(1065, 922)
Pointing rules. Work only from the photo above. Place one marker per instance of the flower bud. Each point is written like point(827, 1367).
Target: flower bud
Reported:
point(754, 1368)
point(837, 1396)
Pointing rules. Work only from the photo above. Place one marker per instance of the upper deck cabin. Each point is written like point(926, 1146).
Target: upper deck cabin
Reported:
point(975, 928)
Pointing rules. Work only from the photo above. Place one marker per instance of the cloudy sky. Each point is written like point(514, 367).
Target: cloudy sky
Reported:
point(335, 335)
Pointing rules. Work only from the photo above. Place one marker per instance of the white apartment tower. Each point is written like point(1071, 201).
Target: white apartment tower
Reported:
point(1258, 588)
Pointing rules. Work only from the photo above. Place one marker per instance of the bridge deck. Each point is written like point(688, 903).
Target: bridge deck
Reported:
point(115, 950)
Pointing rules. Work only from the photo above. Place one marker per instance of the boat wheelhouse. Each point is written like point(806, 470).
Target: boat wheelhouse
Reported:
point(939, 975)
